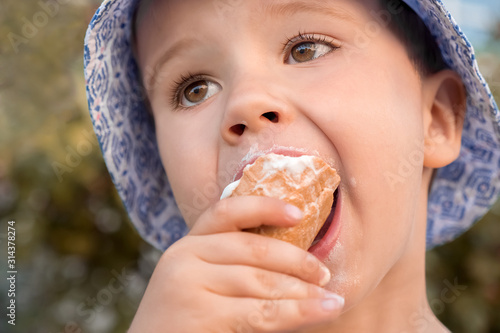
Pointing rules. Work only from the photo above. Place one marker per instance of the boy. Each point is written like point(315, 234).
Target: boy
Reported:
point(362, 84)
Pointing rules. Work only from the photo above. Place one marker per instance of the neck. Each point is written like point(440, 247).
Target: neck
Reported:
point(399, 302)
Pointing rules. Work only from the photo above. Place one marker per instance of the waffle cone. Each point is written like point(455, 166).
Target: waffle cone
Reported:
point(311, 190)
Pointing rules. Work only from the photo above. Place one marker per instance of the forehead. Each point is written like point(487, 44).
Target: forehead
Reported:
point(149, 10)
point(157, 21)
point(165, 26)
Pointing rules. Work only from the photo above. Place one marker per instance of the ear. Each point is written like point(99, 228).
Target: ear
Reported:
point(445, 104)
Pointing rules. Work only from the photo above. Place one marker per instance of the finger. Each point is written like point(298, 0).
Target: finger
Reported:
point(242, 248)
point(284, 315)
point(246, 281)
point(238, 213)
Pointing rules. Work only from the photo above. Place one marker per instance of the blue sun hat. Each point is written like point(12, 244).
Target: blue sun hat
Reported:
point(461, 193)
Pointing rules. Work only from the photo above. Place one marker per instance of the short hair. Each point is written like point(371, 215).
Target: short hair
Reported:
point(421, 46)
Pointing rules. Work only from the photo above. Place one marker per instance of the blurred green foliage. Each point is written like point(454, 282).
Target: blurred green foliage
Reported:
point(74, 240)
point(73, 236)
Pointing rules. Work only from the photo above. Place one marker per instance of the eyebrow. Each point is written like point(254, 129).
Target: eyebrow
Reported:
point(272, 10)
point(177, 48)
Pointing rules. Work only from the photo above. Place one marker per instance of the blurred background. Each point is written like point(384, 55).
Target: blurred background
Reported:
point(81, 265)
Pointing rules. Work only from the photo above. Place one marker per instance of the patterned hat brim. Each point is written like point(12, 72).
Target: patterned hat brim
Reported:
point(462, 192)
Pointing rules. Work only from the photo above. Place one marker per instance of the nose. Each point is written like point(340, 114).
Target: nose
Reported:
point(251, 107)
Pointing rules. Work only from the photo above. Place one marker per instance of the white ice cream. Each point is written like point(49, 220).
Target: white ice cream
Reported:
point(229, 189)
point(291, 165)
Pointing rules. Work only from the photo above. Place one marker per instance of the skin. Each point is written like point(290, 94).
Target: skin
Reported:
point(360, 105)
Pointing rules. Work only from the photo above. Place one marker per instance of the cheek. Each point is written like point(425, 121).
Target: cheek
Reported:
point(188, 155)
point(373, 119)
point(367, 114)
point(380, 146)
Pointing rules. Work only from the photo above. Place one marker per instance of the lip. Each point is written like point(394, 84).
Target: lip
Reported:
point(322, 249)
point(278, 150)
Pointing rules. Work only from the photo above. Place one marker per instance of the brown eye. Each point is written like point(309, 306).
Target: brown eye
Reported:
point(303, 52)
point(309, 50)
point(196, 91)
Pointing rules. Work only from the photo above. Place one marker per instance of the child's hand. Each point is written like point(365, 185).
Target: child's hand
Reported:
point(219, 279)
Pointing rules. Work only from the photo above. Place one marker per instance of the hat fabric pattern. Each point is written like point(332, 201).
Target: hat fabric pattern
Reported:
point(462, 192)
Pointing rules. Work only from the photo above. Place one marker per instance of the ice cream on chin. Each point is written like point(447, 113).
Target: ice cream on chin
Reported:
point(306, 182)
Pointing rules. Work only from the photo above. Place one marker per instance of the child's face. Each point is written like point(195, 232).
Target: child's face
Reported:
point(320, 77)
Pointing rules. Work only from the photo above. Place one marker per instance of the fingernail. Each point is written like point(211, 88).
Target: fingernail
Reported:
point(332, 302)
point(325, 275)
point(293, 212)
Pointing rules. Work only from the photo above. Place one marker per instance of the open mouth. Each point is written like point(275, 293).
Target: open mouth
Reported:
point(326, 226)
